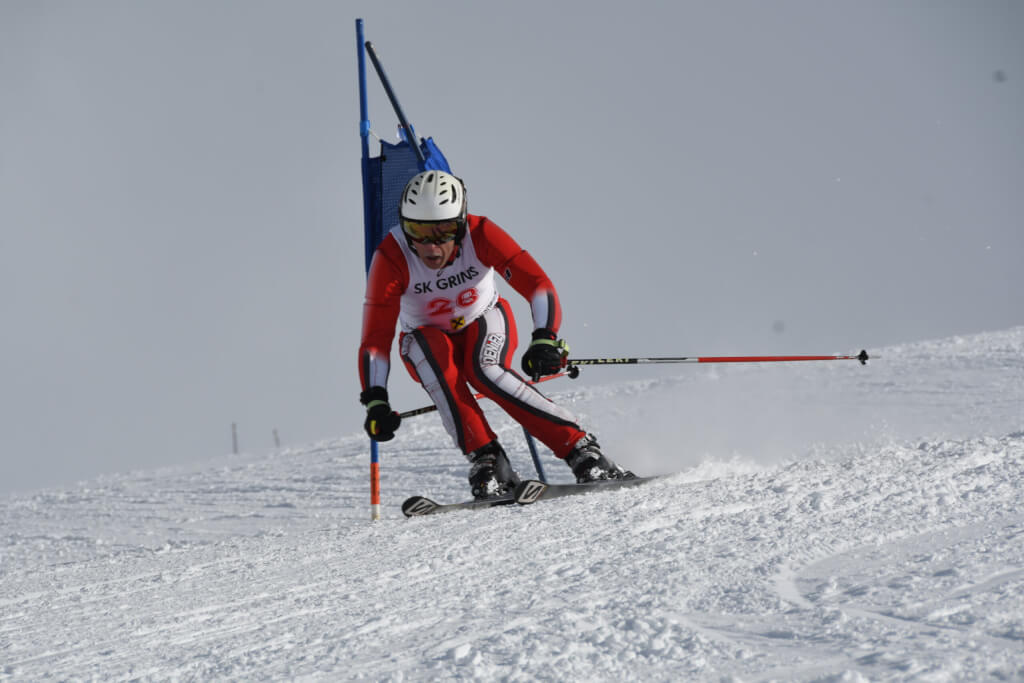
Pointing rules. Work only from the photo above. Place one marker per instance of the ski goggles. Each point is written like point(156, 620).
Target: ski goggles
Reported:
point(431, 232)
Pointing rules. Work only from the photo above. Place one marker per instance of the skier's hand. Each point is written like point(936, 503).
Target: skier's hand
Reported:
point(381, 422)
point(546, 354)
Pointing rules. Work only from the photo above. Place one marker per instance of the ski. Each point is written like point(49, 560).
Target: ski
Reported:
point(418, 506)
point(527, 492)
point(531, 490)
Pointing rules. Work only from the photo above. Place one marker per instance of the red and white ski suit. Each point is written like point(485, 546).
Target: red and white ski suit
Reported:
point(456, 329)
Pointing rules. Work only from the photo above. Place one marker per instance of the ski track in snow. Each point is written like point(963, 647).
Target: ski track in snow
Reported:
point(887, 547)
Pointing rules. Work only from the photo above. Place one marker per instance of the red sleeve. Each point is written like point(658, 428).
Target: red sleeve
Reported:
point(387, 279)
point(497, 249)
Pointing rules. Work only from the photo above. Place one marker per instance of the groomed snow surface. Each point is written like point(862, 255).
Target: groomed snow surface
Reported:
point(825, 522)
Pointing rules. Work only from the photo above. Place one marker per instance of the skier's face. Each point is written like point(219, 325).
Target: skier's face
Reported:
point(434, 255)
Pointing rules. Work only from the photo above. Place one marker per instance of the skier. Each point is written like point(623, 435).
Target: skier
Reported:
point(435, 273)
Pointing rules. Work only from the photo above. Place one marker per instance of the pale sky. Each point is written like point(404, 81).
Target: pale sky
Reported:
point(181, 213)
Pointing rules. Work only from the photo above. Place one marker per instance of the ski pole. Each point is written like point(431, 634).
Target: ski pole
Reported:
point(430, 409)
point(573, 371)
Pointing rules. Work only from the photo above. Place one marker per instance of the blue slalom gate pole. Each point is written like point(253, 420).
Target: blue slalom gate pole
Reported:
point(409, 134)
point(369, 241)
point(536, 456)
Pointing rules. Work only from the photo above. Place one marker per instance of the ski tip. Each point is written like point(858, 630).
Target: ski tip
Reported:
point(418, 506)
point(529, 490)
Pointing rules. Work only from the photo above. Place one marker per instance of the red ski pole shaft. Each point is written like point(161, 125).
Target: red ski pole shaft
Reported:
point(574, 362)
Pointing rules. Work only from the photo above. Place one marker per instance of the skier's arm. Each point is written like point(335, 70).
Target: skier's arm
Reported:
point(385, 283)
point(497, 249)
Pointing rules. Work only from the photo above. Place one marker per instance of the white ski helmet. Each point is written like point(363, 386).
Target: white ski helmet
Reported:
point(434, 196)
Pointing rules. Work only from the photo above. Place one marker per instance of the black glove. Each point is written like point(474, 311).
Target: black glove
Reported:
point(381, 421)
point(546, 354)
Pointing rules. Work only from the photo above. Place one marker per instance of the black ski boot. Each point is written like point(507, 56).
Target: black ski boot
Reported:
point(491, 473)
point(589, 464)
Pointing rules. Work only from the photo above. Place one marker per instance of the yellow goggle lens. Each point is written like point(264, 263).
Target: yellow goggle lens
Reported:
point(437, 232)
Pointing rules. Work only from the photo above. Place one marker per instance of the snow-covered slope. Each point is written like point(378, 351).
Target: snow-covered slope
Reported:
point(825, 522)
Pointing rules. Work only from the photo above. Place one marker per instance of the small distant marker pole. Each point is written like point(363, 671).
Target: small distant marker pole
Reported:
point(234, 438)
